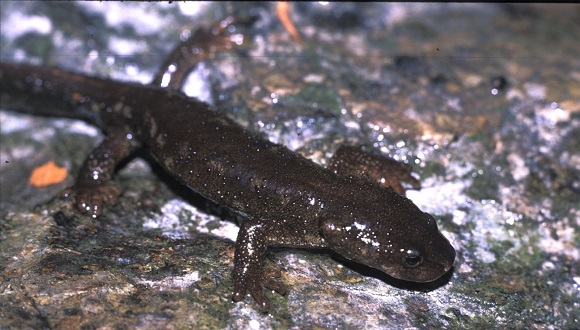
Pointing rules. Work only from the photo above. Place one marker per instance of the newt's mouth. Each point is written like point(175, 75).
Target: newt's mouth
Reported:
point(437, 262)
point(441, 261)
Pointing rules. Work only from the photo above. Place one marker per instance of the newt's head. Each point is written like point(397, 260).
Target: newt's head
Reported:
point(390, 233)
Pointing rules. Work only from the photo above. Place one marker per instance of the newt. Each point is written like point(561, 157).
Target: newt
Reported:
point(355, 207)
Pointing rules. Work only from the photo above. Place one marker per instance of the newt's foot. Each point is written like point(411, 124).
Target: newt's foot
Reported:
point(386, 171)
point(256, 285)
point(92, 199)
point(214, 39)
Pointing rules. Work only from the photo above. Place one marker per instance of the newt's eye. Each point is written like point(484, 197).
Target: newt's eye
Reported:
point(413, 258)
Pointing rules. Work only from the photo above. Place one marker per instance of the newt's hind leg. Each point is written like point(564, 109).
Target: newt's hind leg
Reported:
point(249, 274)
point(388, 172)
point(202, 44)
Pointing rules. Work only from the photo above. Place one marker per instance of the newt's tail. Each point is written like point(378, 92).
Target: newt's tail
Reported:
point(51, 92)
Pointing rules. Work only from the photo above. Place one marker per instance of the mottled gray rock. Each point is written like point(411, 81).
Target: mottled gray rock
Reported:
point(484, 100)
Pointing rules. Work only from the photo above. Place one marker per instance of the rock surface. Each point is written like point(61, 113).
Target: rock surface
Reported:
point(483, 100)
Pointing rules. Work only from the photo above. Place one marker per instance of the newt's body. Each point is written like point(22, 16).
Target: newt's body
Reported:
point(288, 200)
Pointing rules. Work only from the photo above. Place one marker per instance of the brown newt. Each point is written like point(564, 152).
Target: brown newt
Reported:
point(286, 200)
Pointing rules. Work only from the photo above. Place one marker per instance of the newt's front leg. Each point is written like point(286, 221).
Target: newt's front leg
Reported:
point(95, 188)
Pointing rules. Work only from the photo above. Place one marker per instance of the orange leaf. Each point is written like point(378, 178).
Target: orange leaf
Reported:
point(47, 174)
point(283, 11)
